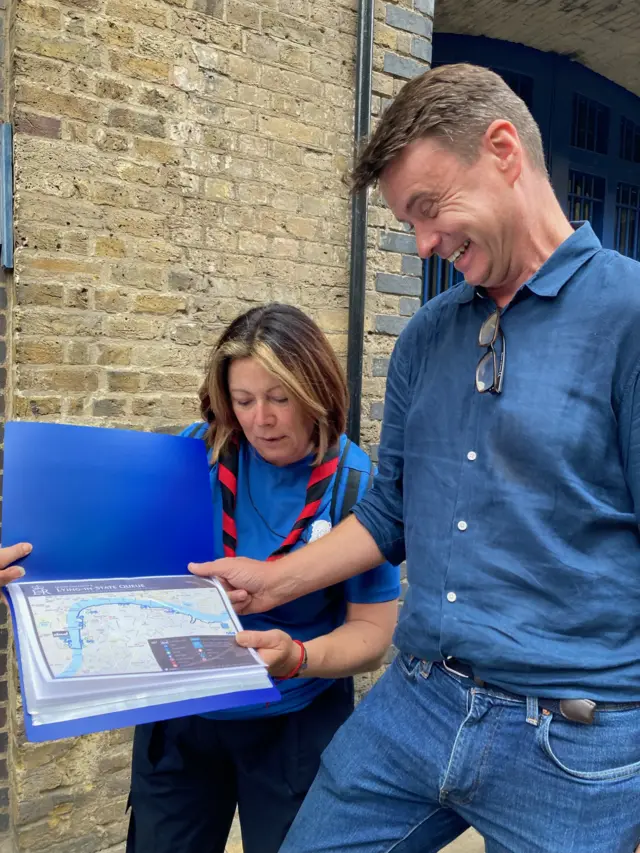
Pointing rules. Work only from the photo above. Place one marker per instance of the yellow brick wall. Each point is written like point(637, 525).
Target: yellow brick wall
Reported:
point(402, 34)
point(173, 167)
point(176, 161)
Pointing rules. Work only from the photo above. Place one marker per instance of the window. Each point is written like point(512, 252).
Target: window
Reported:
point(439, 275)
point(586, 199)
point(590, 125)
point(629, 140)
point(627, 234)
point(521, 84)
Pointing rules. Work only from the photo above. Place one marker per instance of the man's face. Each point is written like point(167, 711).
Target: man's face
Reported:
point(463, 213)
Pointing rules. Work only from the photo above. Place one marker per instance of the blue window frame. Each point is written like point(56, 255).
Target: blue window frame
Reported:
point(521, 84)
point(629, 140)
point(586, 199)
point(628, 220)
point(438, 276)
point(589, 125)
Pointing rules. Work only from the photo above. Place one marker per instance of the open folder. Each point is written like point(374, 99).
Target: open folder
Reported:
point(111, 629)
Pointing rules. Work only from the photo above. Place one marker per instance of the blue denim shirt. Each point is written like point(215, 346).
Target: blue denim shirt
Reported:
point(518, 513)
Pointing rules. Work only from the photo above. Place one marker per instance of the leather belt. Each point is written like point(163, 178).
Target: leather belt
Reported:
point(577, 710)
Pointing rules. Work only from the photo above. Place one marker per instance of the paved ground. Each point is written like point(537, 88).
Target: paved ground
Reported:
point(470, 842)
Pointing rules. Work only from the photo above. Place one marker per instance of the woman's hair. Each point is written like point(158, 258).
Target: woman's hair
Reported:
point(289, 345)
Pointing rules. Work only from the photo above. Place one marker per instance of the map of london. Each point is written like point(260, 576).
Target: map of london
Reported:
point(127, 627)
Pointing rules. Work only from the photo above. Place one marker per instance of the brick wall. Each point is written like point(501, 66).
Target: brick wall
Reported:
point(402, 50)
point(173, 166)
point(6, 837)
point(177, 161)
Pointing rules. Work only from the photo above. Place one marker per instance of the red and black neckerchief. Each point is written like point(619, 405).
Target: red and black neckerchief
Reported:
point(228, 478)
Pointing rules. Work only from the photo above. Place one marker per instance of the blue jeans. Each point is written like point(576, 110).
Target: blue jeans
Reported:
point(427, 754)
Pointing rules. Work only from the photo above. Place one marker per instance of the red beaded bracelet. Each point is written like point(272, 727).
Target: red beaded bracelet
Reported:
point(296, 668)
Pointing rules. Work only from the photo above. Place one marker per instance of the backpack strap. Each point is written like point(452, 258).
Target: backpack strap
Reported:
point(351, 489)
point(371, 473)
point(336, 483)
point(198, 431)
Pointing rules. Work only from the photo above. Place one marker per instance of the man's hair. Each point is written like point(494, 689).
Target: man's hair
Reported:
point(456, 103)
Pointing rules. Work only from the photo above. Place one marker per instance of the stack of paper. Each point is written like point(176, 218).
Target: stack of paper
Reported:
point(111, 630)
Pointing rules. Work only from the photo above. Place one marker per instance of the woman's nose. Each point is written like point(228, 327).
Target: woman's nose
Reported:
point(264, 414)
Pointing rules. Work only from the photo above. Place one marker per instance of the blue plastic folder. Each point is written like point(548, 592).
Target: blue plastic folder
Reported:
point(101, 503)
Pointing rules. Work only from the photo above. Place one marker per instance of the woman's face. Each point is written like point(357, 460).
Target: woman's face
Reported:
point(271, 420)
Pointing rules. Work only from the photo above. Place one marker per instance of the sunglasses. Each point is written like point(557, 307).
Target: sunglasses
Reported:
point(490, 369)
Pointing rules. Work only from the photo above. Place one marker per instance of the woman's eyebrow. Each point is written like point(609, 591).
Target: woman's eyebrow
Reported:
point(235, 390)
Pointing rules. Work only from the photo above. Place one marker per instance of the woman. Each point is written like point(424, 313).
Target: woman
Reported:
point(282, 473)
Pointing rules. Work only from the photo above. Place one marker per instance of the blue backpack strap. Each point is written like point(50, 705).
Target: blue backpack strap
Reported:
point(336, 482)
point(351, 488)
point(198, 431)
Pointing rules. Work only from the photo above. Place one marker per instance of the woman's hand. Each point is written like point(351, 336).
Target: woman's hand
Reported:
point(9, 556)
point(276, 649)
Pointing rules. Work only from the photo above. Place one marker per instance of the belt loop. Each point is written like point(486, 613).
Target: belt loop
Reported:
point(533, 713)
point(425, 668)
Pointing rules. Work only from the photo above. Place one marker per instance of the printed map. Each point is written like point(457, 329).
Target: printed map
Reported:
point(124, 627)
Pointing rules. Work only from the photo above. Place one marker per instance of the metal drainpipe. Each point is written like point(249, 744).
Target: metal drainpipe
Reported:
point(358, 260)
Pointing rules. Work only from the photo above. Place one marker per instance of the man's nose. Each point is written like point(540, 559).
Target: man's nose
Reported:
point(426, 241)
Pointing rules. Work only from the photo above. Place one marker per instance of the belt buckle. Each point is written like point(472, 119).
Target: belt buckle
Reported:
point(578, 710)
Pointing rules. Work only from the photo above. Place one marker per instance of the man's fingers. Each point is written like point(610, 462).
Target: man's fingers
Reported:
point(242, 609)
point(204, 570)
point(13, 553)
point(238, 597)
point(12, 574)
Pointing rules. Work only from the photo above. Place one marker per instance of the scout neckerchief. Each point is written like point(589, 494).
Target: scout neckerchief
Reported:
point(228, 477)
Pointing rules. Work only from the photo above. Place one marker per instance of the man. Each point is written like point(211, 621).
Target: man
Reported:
point(510, 479)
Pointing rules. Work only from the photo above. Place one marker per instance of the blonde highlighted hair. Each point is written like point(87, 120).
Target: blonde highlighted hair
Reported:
point(293, 348)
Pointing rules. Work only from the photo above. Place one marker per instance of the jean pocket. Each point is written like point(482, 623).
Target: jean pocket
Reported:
point(407, 664)
point(607, 750)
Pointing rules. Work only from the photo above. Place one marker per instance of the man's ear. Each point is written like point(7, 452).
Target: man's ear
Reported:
point(502, 143)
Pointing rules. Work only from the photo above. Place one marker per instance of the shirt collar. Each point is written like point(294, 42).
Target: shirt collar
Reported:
point(556, 271)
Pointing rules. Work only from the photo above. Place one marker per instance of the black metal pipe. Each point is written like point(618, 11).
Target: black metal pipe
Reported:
point(358, 260)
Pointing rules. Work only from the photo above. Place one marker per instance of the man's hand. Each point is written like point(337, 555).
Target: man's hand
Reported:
point(255, 587)
point(246, 582)
point(276, 649)
point(9, 556)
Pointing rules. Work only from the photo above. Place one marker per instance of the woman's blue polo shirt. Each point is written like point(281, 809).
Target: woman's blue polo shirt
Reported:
point(269, 499)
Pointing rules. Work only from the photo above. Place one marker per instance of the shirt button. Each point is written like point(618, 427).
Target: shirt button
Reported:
point(462, 525)
point(451, 596)
point(472, 456)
